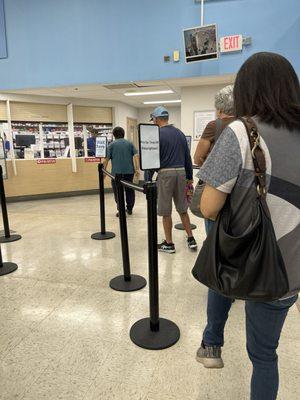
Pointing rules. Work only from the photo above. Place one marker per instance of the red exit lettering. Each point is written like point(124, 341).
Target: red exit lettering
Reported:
point(231, 42)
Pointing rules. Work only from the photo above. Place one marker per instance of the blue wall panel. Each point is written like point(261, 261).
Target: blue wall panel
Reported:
point(3, 47)
point(64, 42)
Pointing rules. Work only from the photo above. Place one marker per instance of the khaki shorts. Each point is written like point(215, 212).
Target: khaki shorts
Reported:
point(171, 184)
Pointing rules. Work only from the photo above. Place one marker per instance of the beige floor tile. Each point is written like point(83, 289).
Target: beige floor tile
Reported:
point(15, 379)
point(56, 385)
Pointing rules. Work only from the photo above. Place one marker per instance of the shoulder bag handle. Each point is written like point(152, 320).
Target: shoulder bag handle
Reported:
point(258, 156)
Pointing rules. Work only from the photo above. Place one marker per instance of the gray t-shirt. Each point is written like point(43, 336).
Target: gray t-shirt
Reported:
point(229, 168)
point(121, 153)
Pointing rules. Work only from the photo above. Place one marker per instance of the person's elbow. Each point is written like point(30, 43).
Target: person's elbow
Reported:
point(208, 212)
point(212, 201)
point(197, 160)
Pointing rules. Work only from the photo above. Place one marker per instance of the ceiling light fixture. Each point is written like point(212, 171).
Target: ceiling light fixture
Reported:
point(148, 93)
point(162, 102)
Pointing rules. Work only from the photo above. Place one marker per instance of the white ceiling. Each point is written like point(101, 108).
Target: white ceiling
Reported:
point(100, 92)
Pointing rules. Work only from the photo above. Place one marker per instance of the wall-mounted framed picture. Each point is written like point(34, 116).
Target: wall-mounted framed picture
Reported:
point(200, 43)
point(201, 119)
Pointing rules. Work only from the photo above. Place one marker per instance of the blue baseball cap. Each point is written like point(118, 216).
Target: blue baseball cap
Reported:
point(159, 112)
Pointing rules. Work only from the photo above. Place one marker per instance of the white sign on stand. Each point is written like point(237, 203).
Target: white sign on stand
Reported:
point(201, 119)
point(149, 147)
point(3, 159)
point(101, 146)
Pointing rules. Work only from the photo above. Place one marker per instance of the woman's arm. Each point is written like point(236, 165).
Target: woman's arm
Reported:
point(204, 144)
point(201, 152)
point(212, 201)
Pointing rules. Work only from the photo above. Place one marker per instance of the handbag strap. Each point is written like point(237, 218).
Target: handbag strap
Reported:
point(219, 128)
point(258, 156)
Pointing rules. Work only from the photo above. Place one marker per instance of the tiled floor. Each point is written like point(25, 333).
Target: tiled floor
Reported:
point(64, 332)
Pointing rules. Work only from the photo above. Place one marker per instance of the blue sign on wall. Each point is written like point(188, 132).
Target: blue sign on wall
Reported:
point(3, 46)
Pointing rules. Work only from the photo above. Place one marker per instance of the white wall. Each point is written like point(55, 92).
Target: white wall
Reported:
point(122, 112)
point(200, 98)
point(174, 112)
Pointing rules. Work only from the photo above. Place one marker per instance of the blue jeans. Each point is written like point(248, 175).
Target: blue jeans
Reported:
point(264, 322)
point(208, 224)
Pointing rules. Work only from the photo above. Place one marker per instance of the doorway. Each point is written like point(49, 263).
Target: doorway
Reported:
point(132, 131)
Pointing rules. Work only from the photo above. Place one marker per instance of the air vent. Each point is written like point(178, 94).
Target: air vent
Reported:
point(119, 86)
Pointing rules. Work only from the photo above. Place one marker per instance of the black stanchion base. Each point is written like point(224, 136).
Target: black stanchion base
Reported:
point(137, 282)
point(167, 335)
point(181, 227)
point(12, 238)
point(103, 236)
point(7, 268)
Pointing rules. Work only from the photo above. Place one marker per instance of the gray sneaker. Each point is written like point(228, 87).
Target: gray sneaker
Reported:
point(210, 356)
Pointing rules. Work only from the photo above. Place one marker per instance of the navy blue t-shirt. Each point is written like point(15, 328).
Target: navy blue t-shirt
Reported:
point(174, 150)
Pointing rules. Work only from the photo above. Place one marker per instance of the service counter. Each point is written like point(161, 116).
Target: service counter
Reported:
point(34, 179)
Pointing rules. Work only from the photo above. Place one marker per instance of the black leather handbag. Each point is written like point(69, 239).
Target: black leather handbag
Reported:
point(249, 266)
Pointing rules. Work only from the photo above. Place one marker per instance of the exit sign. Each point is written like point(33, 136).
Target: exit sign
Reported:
point(231, 43)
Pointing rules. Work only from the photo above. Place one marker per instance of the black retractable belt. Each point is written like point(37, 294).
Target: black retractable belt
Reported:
point(7, 236)
point(153, 333)
point(102, 235)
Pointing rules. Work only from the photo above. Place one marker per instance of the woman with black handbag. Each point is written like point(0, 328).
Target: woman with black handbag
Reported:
point(252, 190)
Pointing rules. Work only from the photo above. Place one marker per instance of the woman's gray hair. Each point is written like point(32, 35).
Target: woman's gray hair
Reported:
point(224, 100)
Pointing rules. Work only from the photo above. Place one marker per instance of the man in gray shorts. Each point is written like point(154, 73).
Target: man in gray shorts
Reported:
point(175, 173)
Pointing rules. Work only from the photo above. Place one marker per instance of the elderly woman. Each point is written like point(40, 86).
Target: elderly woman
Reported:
point(225, 111)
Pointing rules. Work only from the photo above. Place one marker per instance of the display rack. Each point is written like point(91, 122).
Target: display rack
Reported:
point(103, 129)
point(55, 139)
point(52, 138)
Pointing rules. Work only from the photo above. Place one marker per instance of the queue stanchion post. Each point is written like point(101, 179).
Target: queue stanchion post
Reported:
point(103, 234)
point(6, 267)
point(7, 234)
point(126, 282)
point(153, 333)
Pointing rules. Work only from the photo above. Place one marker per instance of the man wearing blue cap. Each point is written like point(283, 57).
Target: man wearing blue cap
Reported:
point(176, 172)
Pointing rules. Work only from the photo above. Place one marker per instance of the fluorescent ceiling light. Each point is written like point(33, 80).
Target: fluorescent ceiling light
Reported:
point(148, 93)
point(162, 102)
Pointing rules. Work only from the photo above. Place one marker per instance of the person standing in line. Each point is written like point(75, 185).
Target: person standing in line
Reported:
point(125, 162)
point(176, 172)
point(91, 142)
point(225, 115)
point(267, 89)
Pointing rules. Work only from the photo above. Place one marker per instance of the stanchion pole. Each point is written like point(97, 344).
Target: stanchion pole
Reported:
point(126, 282)
point(7, 236)
point(6, 267)
point(153, 333)
point(102, 235)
